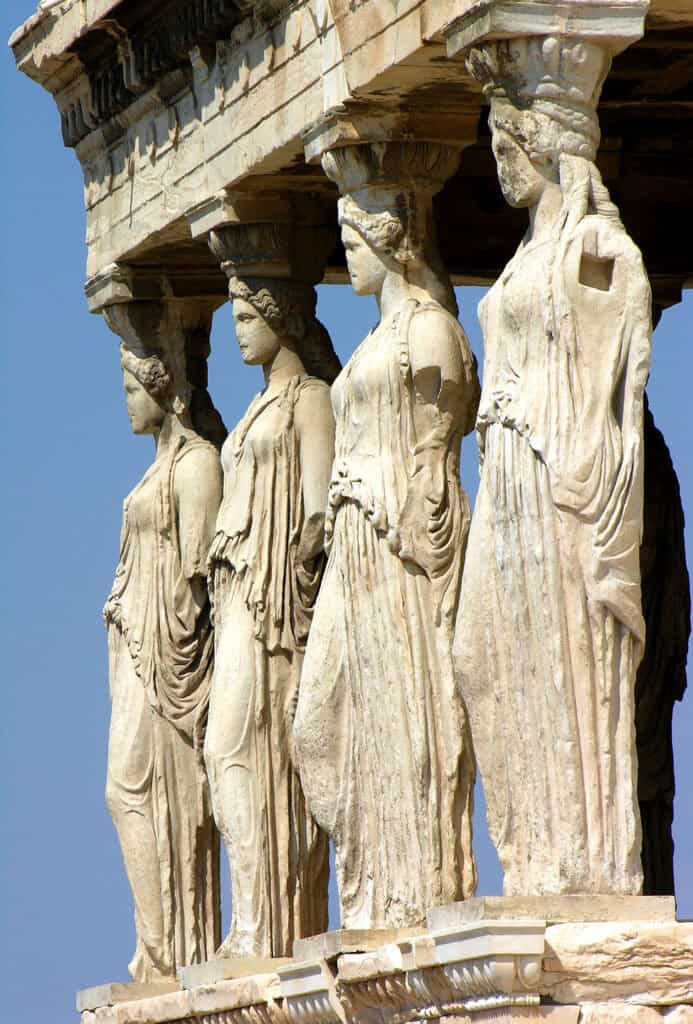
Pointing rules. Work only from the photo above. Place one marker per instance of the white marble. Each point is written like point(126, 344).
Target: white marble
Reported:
point(265, 568)
point(161, 647)
point(381, 734)
point(550, 630)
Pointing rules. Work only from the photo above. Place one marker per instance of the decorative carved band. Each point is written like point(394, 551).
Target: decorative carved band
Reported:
point(137, 57)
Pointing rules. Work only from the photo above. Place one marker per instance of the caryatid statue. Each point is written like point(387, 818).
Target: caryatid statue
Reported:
point(160, 641)
point(265, 568)
point(550, 629)
point(381, 732)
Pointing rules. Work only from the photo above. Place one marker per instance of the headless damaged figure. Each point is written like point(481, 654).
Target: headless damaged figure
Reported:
point(161, 649)
point(266, 565)
point(550, 629)
point(381, 733)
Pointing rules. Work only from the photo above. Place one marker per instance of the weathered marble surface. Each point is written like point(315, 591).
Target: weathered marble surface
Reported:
point(228, 969)
point(330, 945)
point(161, 645)
point(242, 1001)
point(122, 992)
point(381, 735)
point(266, 564)
point(486, 972)
point(636, 962)
point(553, 909)
point(550, 629)
point(623, 1013)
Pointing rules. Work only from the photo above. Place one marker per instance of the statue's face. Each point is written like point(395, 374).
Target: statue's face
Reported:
point(258, 342)
point(145, 414)
point(521, 182)
point(366, 268)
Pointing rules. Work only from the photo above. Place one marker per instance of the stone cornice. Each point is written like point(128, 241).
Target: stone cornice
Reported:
point(109, 60)
point(471, 971)
point(615, 23)
point(248, 112)
point(121, 283)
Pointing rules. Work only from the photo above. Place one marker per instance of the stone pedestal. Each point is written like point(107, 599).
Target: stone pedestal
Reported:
point(487, 961)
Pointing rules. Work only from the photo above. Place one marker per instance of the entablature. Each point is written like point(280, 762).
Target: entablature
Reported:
point(168, 103)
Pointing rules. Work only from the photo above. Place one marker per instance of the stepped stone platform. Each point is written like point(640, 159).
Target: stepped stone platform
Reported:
point(568, 960)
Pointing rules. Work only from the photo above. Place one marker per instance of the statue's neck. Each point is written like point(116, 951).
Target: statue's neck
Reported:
point(544, 214)
point(172, 429)
point(395, 291)
point(282, 367)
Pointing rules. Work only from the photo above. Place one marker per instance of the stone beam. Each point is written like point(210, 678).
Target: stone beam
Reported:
point(236, 109)
point(616, 25)
point(120, 283)
point(236, 106)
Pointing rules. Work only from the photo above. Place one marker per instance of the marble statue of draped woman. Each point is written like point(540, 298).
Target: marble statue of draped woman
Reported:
point(265, 566)
point(382, 735)
point(161, 651)
point(550, 630)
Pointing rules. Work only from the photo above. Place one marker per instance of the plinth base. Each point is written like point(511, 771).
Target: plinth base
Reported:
point(227, 969)
point(553, 909)
point(114, 992)
point(460, 970)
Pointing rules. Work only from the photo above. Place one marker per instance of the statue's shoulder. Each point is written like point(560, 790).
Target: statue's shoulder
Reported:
point(602, 255)
point(196, 457)
point(312, 398)
point(432, 324)
point(597, 233)
point(312, 385)
point(431, 315)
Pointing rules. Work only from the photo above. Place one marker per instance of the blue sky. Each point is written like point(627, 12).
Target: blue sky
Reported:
point(68, 460)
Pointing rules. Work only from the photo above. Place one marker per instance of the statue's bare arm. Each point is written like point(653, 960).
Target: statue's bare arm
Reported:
point(444, 374)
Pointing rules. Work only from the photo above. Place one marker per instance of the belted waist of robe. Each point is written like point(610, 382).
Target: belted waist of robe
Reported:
point(349, 483)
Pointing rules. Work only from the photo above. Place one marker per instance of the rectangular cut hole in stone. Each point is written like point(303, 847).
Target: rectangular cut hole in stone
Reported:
point(596, 272)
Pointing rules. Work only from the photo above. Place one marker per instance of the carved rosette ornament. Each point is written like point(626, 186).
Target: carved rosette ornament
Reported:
point(265, 568)
point(159, 630)
point(381, 733)
point(550, 630)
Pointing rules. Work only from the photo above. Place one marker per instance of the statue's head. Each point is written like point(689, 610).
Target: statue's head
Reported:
point(147, 385)
point(386, 213)
point(271, 313)
point(543, 93)
point(374, 243)
point(153, 358)
point(164, 361)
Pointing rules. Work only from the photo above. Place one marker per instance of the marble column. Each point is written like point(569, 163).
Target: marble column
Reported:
point(266, 566)
point(381, 733)
point(158, 620)
point(550, 630)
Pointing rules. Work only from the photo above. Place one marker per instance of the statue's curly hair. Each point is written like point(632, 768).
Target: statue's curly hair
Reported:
point(384, 230)
point(289, 309)
point(149, 370)
point(152, 373)
point(406, 234)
